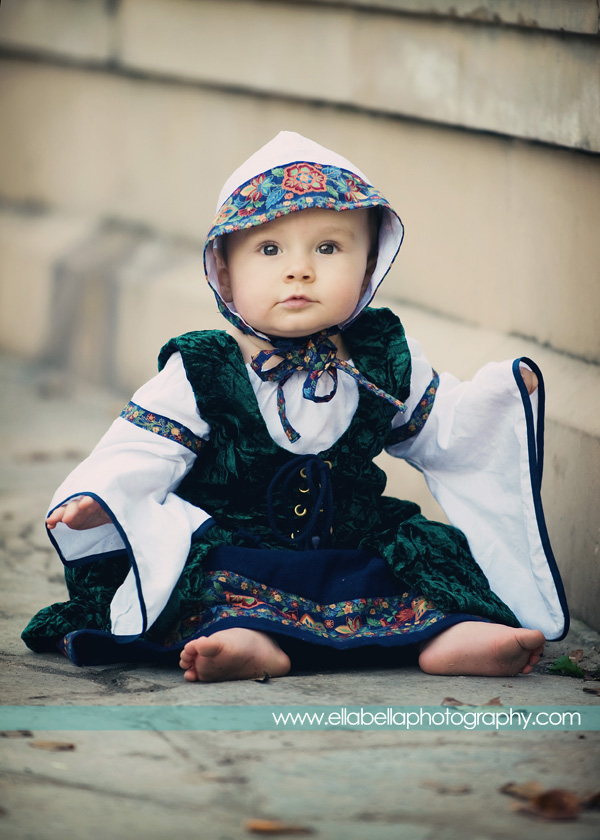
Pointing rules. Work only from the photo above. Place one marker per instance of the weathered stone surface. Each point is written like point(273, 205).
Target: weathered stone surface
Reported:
point(64, 27)
point(526, 80)
point(30, 246)
point(528, 84)
point(498, 233)
point(566, 16)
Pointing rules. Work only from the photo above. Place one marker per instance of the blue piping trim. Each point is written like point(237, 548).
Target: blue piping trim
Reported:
point(128, 549)
point(536, 459)
point(202, 529)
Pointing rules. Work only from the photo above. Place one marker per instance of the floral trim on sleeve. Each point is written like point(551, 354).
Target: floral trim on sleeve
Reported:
point(419, 416)
point(163, 426)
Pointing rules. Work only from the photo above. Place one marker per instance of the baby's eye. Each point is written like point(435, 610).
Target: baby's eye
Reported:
point(326, 248)
point(269, 249)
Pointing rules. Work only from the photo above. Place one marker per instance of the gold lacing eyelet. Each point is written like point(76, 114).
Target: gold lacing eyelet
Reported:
point(303, 488)
point(329, 464)
point(303, 472)
point(299, 510)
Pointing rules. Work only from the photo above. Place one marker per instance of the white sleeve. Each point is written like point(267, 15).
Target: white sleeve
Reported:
point(480, 450)
point(132, 473)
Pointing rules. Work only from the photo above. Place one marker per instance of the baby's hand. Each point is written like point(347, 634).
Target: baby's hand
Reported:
point(79, 514)
point(529, 378)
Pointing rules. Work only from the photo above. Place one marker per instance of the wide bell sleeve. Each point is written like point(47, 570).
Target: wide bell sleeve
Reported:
point(479, 445)
point(133, 473)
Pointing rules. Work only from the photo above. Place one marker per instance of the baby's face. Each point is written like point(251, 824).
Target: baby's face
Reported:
point(299, 274)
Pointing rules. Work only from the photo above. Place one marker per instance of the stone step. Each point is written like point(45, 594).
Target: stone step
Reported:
point(530, 80)
point(498, 233)
point(99, 301)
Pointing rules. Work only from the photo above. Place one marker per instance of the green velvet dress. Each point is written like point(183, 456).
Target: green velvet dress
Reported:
point(304, 547)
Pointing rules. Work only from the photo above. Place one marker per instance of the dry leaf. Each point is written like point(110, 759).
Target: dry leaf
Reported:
point(55, 746)
point(17, 733)
point(495, 701)
point(592, 689)
point(264, 679)
point(522, 790)
point(275, 827)
point(451, 701)
point(218, 777)
point(439, 787)
point(553, 804)
point(576, 655)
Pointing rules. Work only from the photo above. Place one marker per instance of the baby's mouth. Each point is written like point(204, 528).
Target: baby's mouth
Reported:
point(296, 301)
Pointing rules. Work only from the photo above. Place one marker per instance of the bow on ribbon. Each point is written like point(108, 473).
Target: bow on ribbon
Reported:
point(317, 356)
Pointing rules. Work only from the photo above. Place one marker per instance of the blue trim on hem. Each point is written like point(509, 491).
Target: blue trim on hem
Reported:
point(535, 446)
point(104, 648)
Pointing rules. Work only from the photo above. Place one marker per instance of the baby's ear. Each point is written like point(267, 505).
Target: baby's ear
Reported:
point(223, 277)
point(371, 263)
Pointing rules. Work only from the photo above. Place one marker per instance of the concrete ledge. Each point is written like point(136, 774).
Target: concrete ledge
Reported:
point(531, 85)
point(498, 233)
point(30, 247)
point(523, 81)
point(564, 15)
point(84, 30)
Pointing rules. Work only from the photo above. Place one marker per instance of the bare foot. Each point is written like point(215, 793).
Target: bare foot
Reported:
point(237, 653)
point(476, 648)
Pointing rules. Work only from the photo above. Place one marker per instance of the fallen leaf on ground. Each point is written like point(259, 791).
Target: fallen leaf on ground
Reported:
point(553, 804)
point(495, 701)
point(276, 827)
point(576, 655)
point(522, 790)
point(452, 701)
point(592, 689)
point(439, 787)
point(17, 733)
point(218, 777)
point(264, 679)
point(56, 746)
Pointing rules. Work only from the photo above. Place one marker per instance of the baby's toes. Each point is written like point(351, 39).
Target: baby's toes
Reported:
point(185, 660)
point(190, 675)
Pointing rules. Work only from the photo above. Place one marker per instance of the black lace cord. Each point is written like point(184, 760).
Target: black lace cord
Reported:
point(318, 481)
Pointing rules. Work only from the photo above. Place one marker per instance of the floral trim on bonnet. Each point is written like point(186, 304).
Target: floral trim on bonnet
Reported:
point(287, 189)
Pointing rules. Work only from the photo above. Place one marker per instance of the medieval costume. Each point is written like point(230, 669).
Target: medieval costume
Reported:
point(246, 494)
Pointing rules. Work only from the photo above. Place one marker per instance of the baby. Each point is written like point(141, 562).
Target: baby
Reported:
point(238, 492)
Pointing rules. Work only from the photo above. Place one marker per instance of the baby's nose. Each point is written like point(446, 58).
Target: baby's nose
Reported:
point(300, 269)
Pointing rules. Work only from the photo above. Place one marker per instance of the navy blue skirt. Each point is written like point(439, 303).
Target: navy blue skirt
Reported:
point(325, 606)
